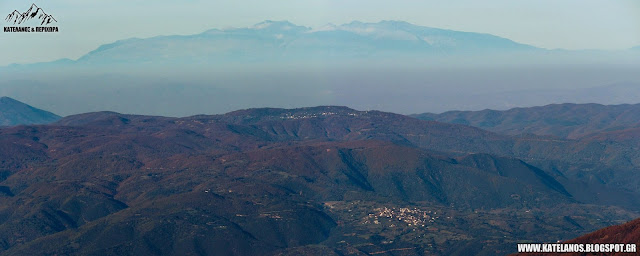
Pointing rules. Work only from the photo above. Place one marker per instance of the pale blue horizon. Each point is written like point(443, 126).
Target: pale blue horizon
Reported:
point(85, 25)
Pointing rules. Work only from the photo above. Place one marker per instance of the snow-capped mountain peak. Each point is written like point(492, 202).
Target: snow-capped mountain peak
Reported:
point(277, 25)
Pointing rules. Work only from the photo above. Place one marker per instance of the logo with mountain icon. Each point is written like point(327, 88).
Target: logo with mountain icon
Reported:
point(33, 13)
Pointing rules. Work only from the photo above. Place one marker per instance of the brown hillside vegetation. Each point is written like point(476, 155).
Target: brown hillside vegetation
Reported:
point(627, 233)
point(324, 180)
point(560, 120)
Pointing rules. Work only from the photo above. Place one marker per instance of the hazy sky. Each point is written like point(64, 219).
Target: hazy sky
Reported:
point(86, 24)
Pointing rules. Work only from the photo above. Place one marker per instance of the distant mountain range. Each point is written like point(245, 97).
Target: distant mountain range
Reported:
point(389, 65)
point(13, 112)
point(281, 40)
point(324, 180)
point(272, 41)
point(562, 120)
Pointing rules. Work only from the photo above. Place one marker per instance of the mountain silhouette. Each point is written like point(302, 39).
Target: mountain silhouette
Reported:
point(283, 41)
point(13, 112)
point(33, 12)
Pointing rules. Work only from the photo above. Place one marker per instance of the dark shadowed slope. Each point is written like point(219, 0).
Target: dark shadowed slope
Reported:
point(561, 120)
point(13, 112)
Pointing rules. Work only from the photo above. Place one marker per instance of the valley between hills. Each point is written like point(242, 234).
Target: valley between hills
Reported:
point(323, 180)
